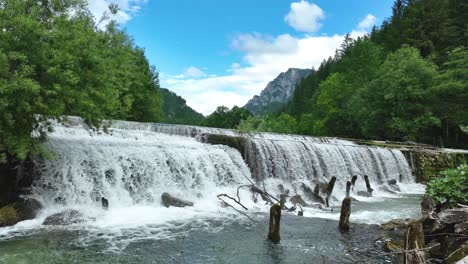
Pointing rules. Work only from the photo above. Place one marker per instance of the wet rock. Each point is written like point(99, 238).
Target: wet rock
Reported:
point(392, 182)
point(168, 201)
point(8, 216)
point(457, 252)
point(312, 195)
point(427, 207)
point(364, 194)
point(463, 261)
point(19, 211)
point(389, 188)
point(297, 199)
point(281, 188)
point(64, 218)
point(396, 224)
point(453, 216)
point(462, 228)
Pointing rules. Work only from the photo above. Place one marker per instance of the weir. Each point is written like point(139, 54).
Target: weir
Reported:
point(136, 162)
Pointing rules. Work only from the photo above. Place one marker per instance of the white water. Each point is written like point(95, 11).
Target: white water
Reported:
point(135, 163)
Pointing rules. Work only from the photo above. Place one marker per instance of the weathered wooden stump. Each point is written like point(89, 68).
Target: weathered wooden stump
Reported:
point(331, 185)
point(274, 228)
point(104, 203)
point(345, 214)
point(353, 181)
point(368, 186)
point(348, 188)
point(414, 241)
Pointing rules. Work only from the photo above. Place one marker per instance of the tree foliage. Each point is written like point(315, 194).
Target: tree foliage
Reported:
point(451, 188)
point(224, 117)
point(406, 80)
point(55, 61)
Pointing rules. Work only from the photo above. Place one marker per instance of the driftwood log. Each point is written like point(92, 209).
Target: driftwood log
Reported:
point(330, 187)
point(368, 186)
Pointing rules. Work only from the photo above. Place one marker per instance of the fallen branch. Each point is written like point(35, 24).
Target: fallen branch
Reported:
point(238, 202)
point(240, 212)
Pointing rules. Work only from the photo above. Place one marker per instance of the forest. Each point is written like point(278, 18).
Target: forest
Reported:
point(405, 81)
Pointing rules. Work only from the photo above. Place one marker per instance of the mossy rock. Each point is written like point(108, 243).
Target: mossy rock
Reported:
point(392, 246)
point(8, 216)
point(231, 141)
point(18, 211)
point(459, 254)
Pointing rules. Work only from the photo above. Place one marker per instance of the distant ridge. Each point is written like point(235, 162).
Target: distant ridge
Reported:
point(278, 92)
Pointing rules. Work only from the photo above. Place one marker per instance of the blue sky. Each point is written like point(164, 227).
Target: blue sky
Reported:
point(222, 52)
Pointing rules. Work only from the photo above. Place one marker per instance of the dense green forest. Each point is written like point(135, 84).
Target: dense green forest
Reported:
point(176, 111)
point(56, 59)
point(405, 81)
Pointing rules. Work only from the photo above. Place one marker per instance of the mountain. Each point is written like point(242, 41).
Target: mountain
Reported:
point(176, 110)
point(277, 93)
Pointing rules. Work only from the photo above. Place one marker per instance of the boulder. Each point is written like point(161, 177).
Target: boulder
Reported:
point(462, 228)
point(364, 194)
point(392, 182)
point(19, 211)
point(453, 216)
point(281, 188)
point(65, 218)
point(168, 201)
point(8, 216)
point(297, 199)
point(457, 252)
point(396, 224)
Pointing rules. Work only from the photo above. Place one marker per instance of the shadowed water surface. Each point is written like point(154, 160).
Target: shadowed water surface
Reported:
point(304, 240)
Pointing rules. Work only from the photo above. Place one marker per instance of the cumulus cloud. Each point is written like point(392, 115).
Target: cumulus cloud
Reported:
point(264, 57)
point(305, 16)
point(193, 71)
point(367, 22)
point(128, 8)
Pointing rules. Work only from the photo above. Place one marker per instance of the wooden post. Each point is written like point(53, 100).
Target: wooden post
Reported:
point(348, 188)
point(414, 240)
point(330, 187)
point(104, 203)
point(353, 181)
point(369, 189)
point(274, 228)
point(345, 213)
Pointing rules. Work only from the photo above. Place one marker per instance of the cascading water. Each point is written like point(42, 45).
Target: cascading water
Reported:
point(131, 167)
point(135, 163)
point(132, 164)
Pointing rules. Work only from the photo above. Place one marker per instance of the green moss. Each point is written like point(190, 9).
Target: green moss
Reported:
point(233, 142)
point(8, 216)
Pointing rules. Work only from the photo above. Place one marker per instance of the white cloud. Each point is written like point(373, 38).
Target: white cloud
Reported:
point(128, 9)
point(305, 16)
point(264, 58)
point(194, 72)
point(367, 22)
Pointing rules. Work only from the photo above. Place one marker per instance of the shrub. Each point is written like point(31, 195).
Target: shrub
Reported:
point(451, 188)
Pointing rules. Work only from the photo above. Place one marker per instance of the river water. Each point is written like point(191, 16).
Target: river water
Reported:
point(133, 164)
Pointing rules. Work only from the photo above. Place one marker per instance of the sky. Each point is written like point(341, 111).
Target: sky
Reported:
point(223, 52)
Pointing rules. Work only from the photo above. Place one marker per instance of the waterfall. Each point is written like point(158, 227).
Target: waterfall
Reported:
point(131, 166)
point(308, 160)
point(134, 163)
